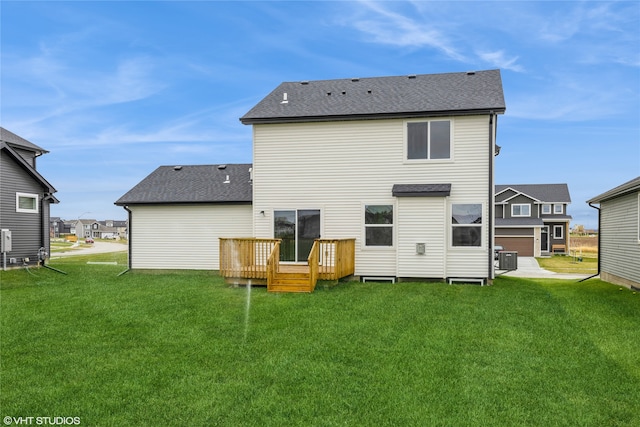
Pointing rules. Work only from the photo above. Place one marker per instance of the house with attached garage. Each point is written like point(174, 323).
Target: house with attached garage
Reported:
point(178, 213)
point(532, 219)
point(383, 178)
point(25, 199)
point(619, 234)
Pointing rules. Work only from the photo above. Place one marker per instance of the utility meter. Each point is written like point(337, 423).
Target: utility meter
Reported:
point(5, 241)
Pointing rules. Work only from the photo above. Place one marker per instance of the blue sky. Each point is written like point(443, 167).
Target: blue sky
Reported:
point(115, 89)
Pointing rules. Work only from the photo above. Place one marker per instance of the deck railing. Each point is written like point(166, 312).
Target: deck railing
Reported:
point(245, 257)
point(312, 261)
point(273, 264)
point(255, 258)
point(337, 258)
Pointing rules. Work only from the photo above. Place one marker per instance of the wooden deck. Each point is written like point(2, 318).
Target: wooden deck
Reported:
point(244, 260)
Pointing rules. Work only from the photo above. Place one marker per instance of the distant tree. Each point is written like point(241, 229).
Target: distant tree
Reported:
point(579, 230)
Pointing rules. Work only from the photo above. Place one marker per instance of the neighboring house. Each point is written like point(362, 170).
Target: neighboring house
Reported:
point(402, 164)
point(619, 234)
point(178, 213)
point(114, 229)
point(25, 198)
point(532, 219)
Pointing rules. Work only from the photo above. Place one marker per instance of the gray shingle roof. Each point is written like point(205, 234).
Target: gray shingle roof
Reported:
point(17, 141)
point(378, 97)
point(626, 188)
point(193, 184)
point(549, 193)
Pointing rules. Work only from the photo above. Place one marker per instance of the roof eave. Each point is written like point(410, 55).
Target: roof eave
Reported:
point(374, 116)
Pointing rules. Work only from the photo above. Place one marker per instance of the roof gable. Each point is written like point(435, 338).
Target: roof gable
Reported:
point(543, 193)
point(380, 97)
point(193, 184)
point(17, 141)
point(5, 147)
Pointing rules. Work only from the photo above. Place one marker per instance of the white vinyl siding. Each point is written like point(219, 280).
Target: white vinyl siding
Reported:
point(340, 166)
point(619, 248)
point(420, 221)
point(184, 236)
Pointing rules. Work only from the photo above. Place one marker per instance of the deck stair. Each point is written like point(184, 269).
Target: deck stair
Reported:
point(292, 278)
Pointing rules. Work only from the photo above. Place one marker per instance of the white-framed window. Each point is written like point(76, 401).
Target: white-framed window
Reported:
point(557, 209)
point(546, 209)
point(428, 140)
point(26, 203)
point(521, 210)
point(466, 224)
point(378, 225)
point(557, 231)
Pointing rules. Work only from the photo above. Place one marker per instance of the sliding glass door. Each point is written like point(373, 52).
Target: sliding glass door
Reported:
point(297, 229)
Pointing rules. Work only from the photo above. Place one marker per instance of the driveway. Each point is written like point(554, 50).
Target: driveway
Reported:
point(95, 248)
point(528, 267)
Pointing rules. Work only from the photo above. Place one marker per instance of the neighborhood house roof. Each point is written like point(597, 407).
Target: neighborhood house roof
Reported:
point(420, 95)
point(193, 184)
point(17, 141)
point(546, 193)
point(632, 186)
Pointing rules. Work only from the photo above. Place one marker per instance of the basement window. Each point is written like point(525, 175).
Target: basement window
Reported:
point(26, 203)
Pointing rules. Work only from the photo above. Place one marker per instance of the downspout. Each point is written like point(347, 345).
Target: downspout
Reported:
point(599, 234)
point(491, 197)
point(129, 216)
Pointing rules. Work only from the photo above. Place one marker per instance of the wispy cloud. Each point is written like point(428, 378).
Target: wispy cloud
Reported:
point(388, 27)
point(499, 59)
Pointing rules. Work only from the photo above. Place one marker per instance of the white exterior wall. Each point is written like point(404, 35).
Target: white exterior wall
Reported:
point(619, 238)
point(184, 236)
point(339, 167)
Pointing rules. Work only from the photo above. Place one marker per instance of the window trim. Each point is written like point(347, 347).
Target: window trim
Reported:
point(406, 158)
point(392, 226)
point(558, 227)
point(528, 205)
point(546, 211)
point(481, 226)
point(31, 196)
point(555, 210)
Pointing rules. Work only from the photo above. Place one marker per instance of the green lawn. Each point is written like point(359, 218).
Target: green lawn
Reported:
point(183, 348)
point(586, 264)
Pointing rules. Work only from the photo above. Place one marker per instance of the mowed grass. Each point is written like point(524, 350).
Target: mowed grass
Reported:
point(570, 264)
point(183, 348)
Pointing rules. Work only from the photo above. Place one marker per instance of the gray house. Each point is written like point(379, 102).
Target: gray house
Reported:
point(178, 213)
point(25, 197)
point(619, 234)
point(532, 219)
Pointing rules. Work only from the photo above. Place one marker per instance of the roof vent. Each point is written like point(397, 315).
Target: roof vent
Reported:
point(177, 168)
point(222, 167)
point(411, 76)
point(226, 181)
point(304, 82)
point(344, 92)
point(284, 99)
point(355, 79)
point(328, 93)
point(471, 73)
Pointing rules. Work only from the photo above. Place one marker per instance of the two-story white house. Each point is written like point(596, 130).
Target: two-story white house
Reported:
point(402, 164)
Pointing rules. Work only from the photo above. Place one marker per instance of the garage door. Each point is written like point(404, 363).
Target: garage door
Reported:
point(522, 245)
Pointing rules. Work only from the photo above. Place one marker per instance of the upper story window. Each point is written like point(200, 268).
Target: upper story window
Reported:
point(521, 210)
point(378, 220)
point(466, 225)
point(557, 209)
point(546, 209)
point(429, 140)
point(26, 202)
